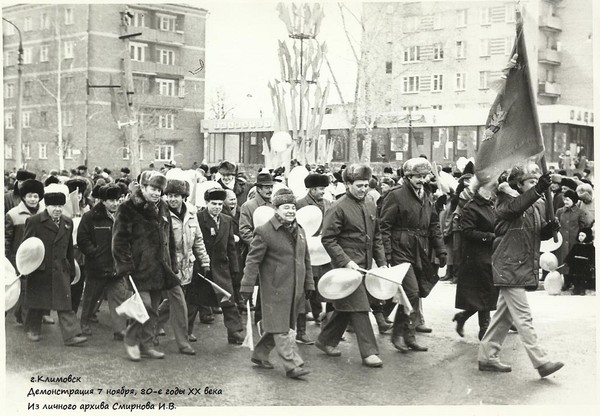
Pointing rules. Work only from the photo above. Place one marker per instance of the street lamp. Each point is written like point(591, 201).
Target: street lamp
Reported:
point(19, 139)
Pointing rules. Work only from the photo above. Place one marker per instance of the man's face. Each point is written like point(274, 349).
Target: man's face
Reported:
point(418, 180)
point(317, 193)
point(151, 193)
point(214, 207)
point(55, 211)
point(175, 201)
point(227, 178)
point(231, 200)
point(265, 191)
point(359, 188)
point(32, 199)
point(287, 212)
point(111, 205)
point(527, 184)
point(555, 187)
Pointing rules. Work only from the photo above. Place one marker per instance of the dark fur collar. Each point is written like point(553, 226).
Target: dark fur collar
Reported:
point(145, 207)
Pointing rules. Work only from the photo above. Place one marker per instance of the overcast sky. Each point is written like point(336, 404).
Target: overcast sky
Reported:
point(241, 52)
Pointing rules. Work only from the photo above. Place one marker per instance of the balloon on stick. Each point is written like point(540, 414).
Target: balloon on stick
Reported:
point(30, 255)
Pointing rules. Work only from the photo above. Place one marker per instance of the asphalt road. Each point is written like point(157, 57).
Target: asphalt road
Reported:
point(445, 375)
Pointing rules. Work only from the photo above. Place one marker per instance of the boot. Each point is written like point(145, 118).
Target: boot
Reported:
point(301, 337)
point(381, 323)
point(460, 324)
point(484, 323)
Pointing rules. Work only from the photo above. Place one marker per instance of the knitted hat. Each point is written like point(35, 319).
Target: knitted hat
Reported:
point(153, 178)
point(215, 194)
point(357, 172)
point(315, 180)
point(110, 191)
point(179, 187)
point(283, 196)
point(31, 186)
point(416, 166)
point(23, 175)
point(521, 173)
point(572, 195)
point(56, 194)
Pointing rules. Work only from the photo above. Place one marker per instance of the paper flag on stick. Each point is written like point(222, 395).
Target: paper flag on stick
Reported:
point(249, 340)
point(134, 306)
point(218, 288)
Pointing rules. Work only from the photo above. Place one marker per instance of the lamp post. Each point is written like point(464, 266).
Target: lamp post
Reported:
point(19, 132)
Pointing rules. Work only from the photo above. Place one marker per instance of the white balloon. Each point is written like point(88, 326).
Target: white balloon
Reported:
point(296, 181)
point(310, 218)
point(10, 274)
point(262, 215)
point(201, 189)
point(316, 251)
point(548, 262)
point(280, 141)
point(30, 255)
point(553, 283)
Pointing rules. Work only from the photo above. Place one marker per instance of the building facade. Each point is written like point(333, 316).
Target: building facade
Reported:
point(72, 52)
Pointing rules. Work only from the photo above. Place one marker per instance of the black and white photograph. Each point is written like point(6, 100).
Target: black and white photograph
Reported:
point(325, 207)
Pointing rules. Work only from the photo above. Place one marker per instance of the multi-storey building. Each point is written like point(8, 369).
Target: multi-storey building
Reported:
point(68, 48)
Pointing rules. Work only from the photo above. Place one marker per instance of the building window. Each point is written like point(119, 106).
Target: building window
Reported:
point(484, 47)
point(509, 42)
point(9, 90)
point(42, 150)
point(27, 151)
point(388, 67)
point(166, 121)
point(44, 118)
point(166, 87)
point(126, 152)
point(167, 57)
point(461, 49)
point(163, 152)
point(44, 87)
point(44, 53)
point(510, 13)
point(27, 26)
point(436, 107)
point(27, 87)
point(68, 16)
point(139, 19)
point(69, 49)
point(412, 54)
point(438, 51)
point(27, 55)
point(461, 81)
point(167, 23)
point(8, 151)
point(137, 51)
point(410, 84)
point(437, 21)
point(461, 18)
point(438, 82)
point(485, 16)
point(68, 82)
point(9, 121)
point(67, 118)
point(410, 108)
point(484, 77)
point(45, 21)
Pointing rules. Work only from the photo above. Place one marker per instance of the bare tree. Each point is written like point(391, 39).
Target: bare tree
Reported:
point(219, 105)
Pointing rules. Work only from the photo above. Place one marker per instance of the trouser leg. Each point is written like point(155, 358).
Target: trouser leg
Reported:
point(257, 307)
point(232, 319)
point(142, 334)
point(94, 288)
point(334, 329)
point(69, 325)
point(20, 310)
point(192, 312)
point(178, 316)
point(117, 293)
point(484, 322)
point(288, 350)
point(263, 347)
point(77, 291)
point(367, 344)
point(404, 325)
point(301, 324)
point(33, 320)
point(491, 343)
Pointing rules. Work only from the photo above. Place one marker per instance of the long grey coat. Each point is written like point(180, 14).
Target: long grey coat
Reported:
point(285, 274)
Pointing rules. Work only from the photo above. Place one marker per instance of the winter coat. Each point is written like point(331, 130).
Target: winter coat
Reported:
point(94, 239)
point(582, 260)
point(49, 287)
point(246, 220)
point(14, 227)
point(516, 249)
point(240, 188)
point(220, 246)
point(571, 220)
point(282, 265)
point(11, 200)
point(410, 229)
point(144, 245)
point(475, 289)
point(351, 232)
point(189, 243)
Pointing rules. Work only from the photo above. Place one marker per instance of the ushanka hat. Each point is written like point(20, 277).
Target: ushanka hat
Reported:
point(572, 195)
point(31, 186)
point(178, 186)
point(523, 172)
point(215, 194)
point(283, 196)
point(77, 183)
point(315, 180)
point(357, 172)
point(416, 166)
point(56, 194)
point(23, 175)
point(110, 191)
point(153, 178)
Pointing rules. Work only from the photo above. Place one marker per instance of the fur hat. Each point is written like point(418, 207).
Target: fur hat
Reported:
point(568, 182)
point(110, 191)
point(124, 187)
point(388, 169)
point(153, 178)
point(82, 167)
point(56, 194)
point(23, 175)
point(179, 187)
point(283, 196)
point(264, 178)
point(226, 168)
point(416, 166)
point(51, 179)
point(589, 234)
point(76, 183)
point(388, 181)
point(521, 173)
point(314, 180)
point(96, 191)
point(572, 195)
point(126, 170)
point(31, 186)
point(357, 172)
point(215, 194)
point(585, 190)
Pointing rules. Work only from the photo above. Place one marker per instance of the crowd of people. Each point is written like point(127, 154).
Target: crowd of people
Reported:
point(147, 233)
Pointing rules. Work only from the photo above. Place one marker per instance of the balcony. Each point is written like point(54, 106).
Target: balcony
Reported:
point(551, 23)
point(155, 100)
point(154, 68)
point(549, 56)
point(549, 89)
point(153, 35)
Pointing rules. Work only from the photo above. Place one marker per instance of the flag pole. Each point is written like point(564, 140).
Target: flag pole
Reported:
point(536, 119)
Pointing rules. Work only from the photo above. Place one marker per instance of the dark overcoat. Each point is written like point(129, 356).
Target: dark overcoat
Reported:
point(571, 220)
point(283, 267)
point(143, 244)
point(351, 232)
point(94, 239)
point(49, 287)
point(475, 288)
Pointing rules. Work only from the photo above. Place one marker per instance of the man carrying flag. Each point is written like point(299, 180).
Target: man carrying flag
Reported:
point(512, 137)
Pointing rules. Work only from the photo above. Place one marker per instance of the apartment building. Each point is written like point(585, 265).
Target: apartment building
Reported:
point(72, 53)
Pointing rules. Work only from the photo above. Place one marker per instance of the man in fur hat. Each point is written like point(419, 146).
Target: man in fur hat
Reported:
point(94, 238)
point(585, 192)
point(352, 239)
point(144, 248)
point(49, 287)
point(12, 198)
point(228, 180)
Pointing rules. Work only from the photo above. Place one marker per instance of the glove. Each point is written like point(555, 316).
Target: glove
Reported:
point(443, 258)
point(309, 294)
point(543, 183)
point(245, 296)
point(549, 229)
